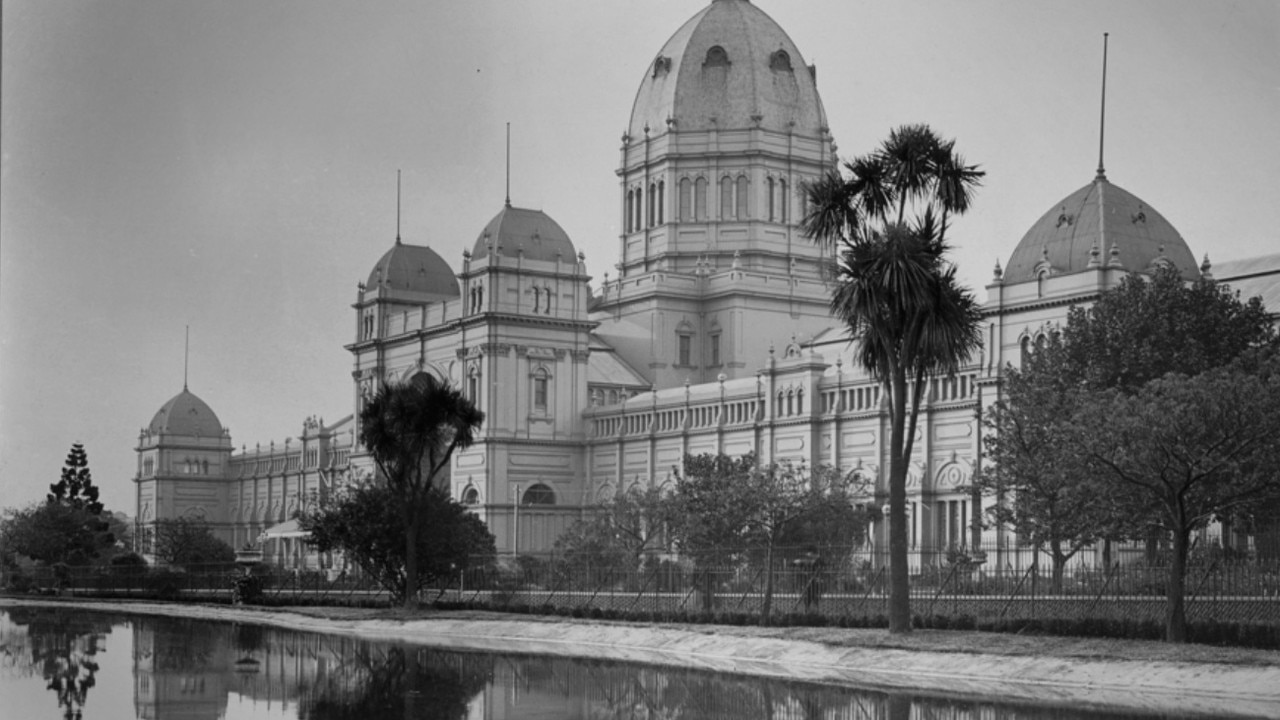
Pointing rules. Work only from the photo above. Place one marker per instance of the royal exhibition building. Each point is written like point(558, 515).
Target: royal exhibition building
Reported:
point(714, 334)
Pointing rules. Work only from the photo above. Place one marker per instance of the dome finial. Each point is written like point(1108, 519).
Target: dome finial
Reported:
point(1102, 121)
point(397, 206)
point(508, 164)
point(186, 355)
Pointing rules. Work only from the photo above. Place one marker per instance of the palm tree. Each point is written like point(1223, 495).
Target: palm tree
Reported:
point(412, 430)
point(897, 293)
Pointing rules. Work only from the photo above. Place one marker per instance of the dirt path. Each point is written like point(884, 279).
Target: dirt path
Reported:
point(1216, 682)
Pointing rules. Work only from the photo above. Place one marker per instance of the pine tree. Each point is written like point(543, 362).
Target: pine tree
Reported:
point(76, 488)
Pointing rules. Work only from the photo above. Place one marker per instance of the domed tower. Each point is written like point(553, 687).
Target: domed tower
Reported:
point(183, 457)
point(726, 128)
point(522, 345)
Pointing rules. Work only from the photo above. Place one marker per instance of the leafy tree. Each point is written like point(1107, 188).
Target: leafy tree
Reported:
point(619, 531)
point(1187, 450)
point(412, 431)
point(1148, 327)
point(55, 532)
point(708, 517)
point(1040, 482)
point(780, 497)
point(189, 542)
point(897, 293)
point(365, 522)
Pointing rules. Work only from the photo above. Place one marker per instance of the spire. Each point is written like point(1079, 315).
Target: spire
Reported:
point(397, 207)
point(1102, 120)
point(508, 164)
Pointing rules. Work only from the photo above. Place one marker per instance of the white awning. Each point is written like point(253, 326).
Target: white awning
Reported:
point(286, 529)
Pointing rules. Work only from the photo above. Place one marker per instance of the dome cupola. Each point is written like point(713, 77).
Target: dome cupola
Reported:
point(729, 67)
point(1099, 225)
point(531, 234)
point(188, 416)
point(414, 269)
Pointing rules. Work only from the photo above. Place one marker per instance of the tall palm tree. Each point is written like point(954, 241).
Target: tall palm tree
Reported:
point(412, 430)
point(897, 293)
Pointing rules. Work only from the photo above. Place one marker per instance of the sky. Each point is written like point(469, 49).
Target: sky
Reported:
point(231, 167)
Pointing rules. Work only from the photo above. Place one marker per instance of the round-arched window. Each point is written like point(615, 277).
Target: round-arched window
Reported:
point(539, 495)
point(470, 496)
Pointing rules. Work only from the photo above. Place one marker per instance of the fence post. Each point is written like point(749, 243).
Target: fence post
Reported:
point(1016, 588)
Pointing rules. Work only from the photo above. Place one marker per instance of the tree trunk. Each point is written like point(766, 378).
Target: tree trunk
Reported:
point(1059, 564)
point(768, 586)
point(411, 563)
point(1175, 630)
point(899, 577)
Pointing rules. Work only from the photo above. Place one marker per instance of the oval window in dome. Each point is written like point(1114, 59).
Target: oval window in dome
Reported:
point(716, 56)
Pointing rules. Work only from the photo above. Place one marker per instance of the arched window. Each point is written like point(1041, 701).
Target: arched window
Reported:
point(1026, 350)
point(653, 201)
point(780, 60)
point(783, 201)
point(716, 57)
point(742, 197)
point(473, 385)
point(470, 496)
point(700, 199)
point(800, 402)
point(549, 296)
point(631, 201)
point(537, 298)
point(686, 200)
point(662, 198)
point(726, 198)
point(771, 184)
point(540, 382)
point(639, 209)
point(685, 349)
point(539, 495)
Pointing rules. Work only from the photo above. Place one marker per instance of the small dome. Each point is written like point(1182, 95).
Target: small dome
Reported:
point(729, 67)
point(1100, 215)
point(533, 231)
point(414, 268)
point(186, 415)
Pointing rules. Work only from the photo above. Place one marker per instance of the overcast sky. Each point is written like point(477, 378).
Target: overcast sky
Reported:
point(231, 165)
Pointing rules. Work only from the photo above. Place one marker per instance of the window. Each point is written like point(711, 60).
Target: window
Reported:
point(700, 199)
point(715, 349)
point(783, 200)
point(539, 495)
point(540, 390)
point(537, 297)
point(686, 348)
point(662, 197)
point(639, 223)
point(470, 496)
point(771, 184)
point(726, 198)
point(549, 296)
point(473, 386)
point(653, 201)
point(742, 197)
point(780, 60)
point(686, 199)
point(716, 57)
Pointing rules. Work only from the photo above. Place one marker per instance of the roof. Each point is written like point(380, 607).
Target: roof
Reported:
point(186, 415)
point(760, 78)
point(414, 268)
point(531, 234)
point(606, 367)
point(1253, 277)
point(1097, 218)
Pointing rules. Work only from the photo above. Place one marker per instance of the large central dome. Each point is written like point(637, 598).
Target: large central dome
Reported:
point(729, 67)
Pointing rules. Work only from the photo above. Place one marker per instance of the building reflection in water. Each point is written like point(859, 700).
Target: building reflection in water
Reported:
point(198, 670)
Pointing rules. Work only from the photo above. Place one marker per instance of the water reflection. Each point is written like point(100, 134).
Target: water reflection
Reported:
point(60, 646)
point(200, 669)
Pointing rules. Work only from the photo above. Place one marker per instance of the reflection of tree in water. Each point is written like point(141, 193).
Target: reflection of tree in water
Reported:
point(62, 646)
point(382, 681)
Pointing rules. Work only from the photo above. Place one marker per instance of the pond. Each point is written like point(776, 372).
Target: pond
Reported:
point(71, 663)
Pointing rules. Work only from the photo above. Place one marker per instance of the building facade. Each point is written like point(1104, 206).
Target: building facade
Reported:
point(713, 336)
